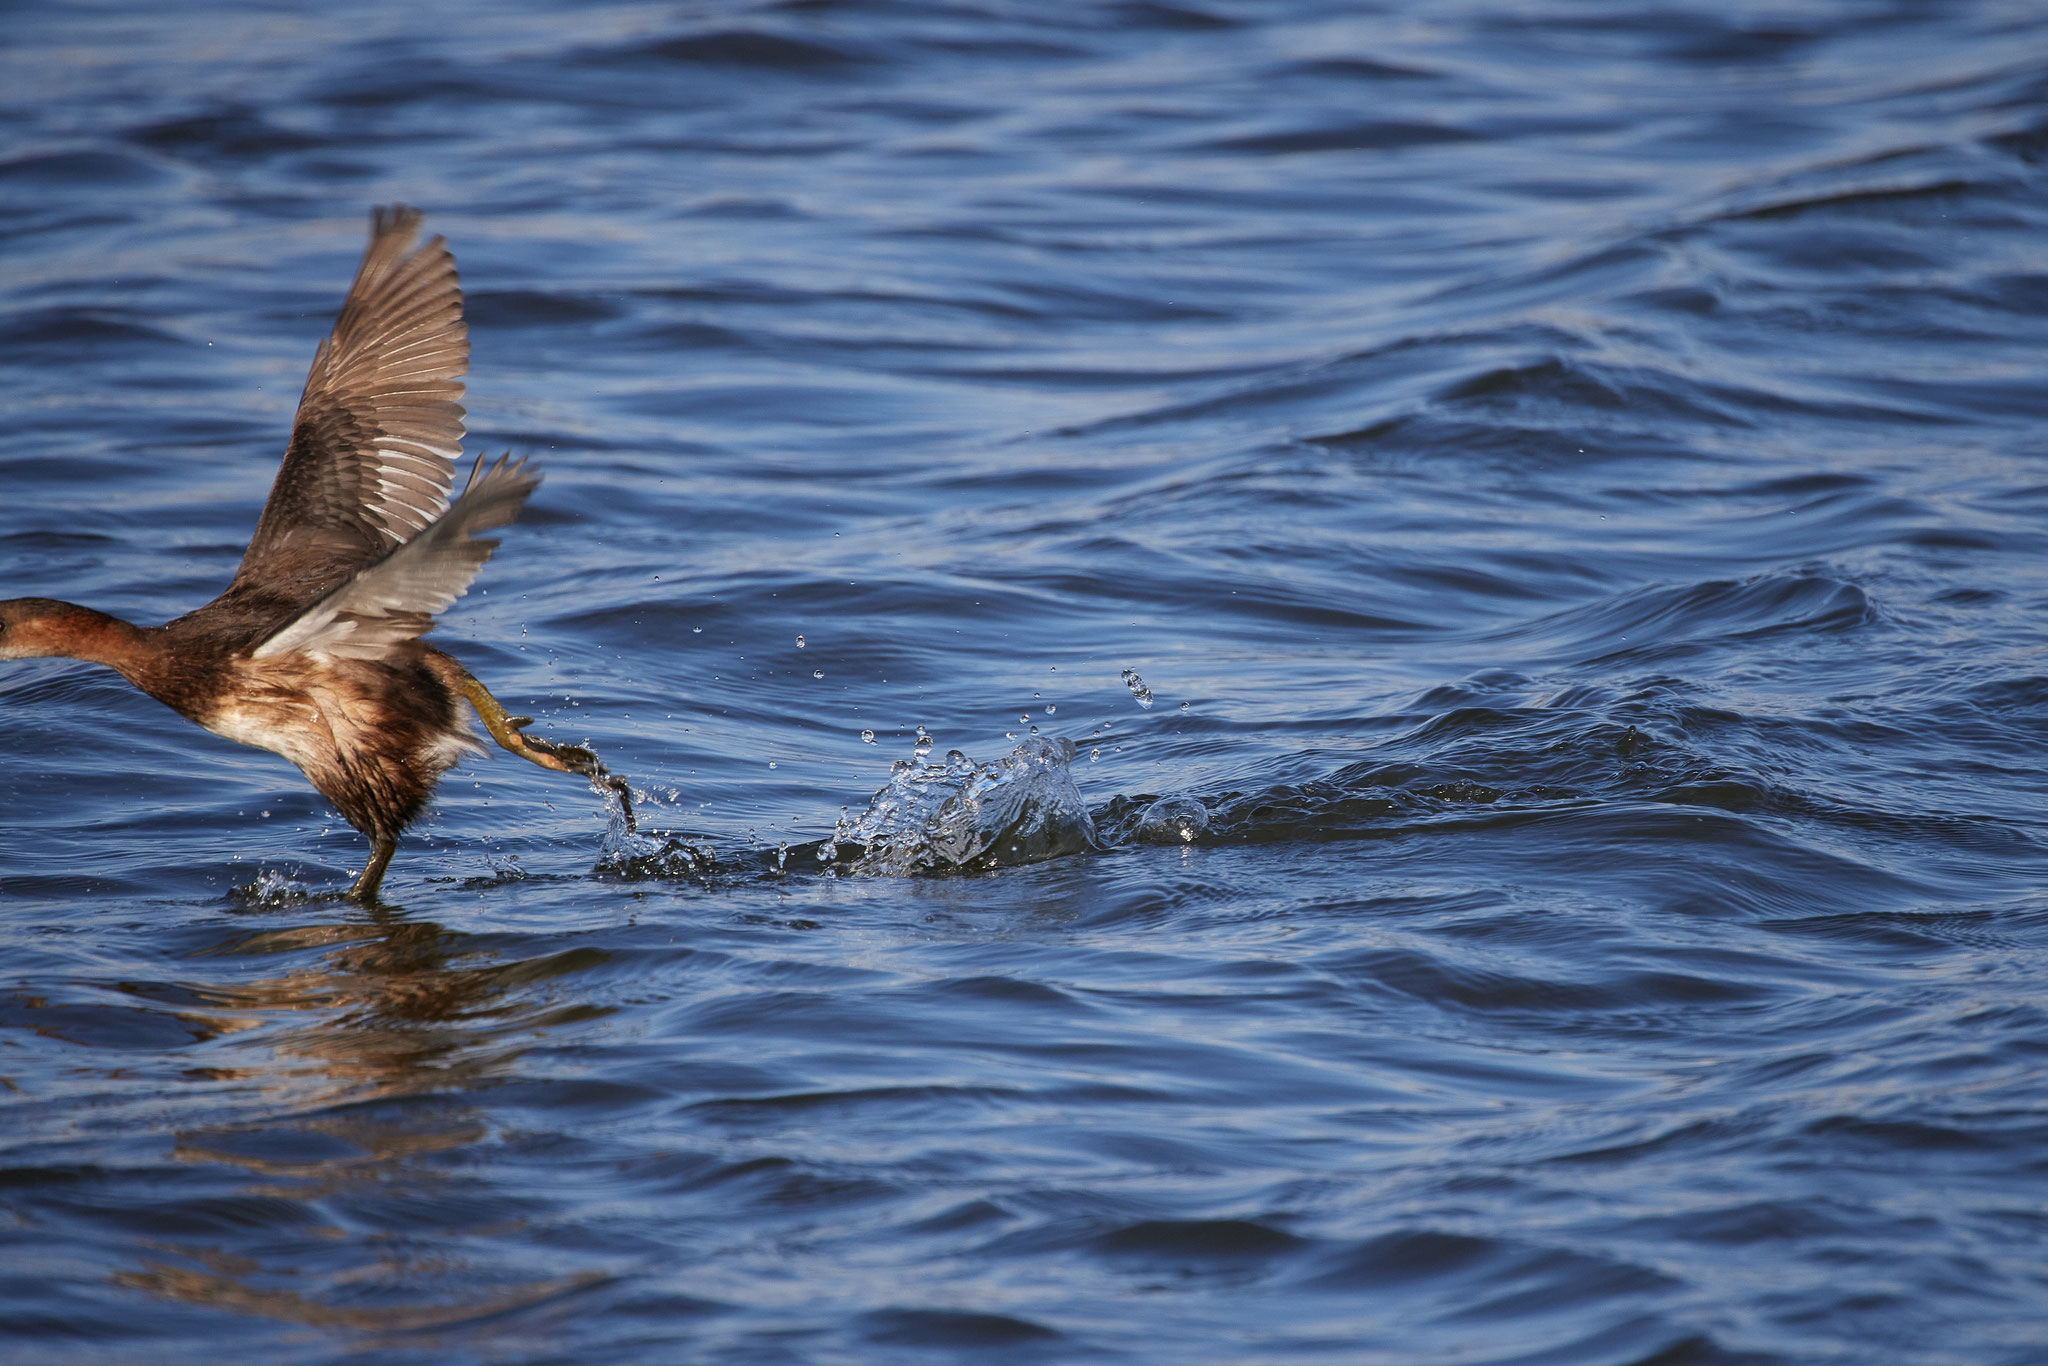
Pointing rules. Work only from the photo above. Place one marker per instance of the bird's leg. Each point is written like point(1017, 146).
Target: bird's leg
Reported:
point(508, 731)
point(365, 888)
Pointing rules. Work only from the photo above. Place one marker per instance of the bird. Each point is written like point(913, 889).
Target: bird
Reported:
point(313, 650)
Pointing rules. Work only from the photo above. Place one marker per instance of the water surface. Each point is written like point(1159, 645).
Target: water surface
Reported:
point(1570, 480)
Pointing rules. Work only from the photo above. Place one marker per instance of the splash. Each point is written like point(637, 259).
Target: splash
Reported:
point(272, 889)
point(960, 816)
point(1173, 820)
point(630, 852)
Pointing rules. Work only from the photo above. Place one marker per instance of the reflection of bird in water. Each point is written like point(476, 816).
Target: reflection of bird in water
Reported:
point(313, 652)
point(348, 1084)
point(392, 1007)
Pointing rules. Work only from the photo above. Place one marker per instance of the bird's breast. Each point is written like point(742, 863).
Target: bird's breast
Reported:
point(325, 718)
point(291, 725)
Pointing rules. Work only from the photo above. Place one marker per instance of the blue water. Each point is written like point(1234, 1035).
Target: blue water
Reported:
point(1571, 479)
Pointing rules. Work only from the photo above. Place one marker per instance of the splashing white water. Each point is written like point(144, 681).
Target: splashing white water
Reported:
point(960, 816)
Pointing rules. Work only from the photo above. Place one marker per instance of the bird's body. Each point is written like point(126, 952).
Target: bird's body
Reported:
point(313, 651)
point(373, 735)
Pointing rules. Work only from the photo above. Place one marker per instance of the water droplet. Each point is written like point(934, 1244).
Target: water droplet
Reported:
point(867, 737)
point(1183, 707)
point(771, 763)
point(1094, 754)
point(1050, 708)
point(799, 642)
point(1025, 719)
point(1138, 689)
point(820, 673)
point(1034, 730)
point(1009, 735)
point(696, 630)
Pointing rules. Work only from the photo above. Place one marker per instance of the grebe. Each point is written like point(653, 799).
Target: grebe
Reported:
point(314, 650)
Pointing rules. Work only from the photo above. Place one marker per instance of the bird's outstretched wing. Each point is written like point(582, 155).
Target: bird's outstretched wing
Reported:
point(394, 600)
point(379, 427)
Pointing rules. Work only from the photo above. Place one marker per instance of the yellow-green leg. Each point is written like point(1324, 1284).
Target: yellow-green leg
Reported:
point(365, 888)
point(507, 730)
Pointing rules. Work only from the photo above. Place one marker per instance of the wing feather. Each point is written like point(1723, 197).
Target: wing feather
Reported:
point(394, 600)
point(380, 423)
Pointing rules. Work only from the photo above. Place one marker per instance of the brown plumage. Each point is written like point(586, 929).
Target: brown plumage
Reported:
point(313, 652)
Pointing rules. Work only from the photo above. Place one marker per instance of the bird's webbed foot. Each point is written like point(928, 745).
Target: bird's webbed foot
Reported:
point(509, 731)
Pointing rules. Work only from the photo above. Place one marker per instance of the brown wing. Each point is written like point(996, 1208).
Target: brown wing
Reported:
point(379, 427)
point(394, 600)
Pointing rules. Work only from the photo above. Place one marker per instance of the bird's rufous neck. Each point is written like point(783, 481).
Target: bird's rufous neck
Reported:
point(82, 633)
point(135, 653)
